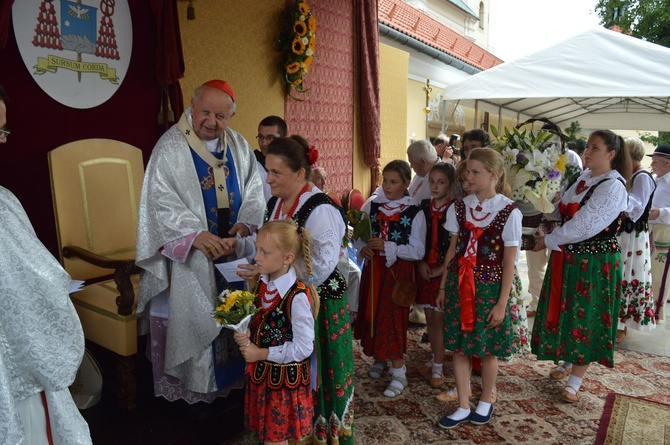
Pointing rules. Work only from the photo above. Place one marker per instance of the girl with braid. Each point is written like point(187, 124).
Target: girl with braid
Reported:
point(279, 403)
point(294, 197)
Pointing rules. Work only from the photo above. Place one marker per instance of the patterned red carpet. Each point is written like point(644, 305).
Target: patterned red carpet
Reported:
point(528, 410)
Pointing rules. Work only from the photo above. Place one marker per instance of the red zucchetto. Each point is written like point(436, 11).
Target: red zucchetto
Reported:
point(221, 85)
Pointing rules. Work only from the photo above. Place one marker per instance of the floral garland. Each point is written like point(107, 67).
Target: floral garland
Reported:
point(298, 43)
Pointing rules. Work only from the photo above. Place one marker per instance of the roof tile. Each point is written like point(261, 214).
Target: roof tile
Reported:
point(402, 17)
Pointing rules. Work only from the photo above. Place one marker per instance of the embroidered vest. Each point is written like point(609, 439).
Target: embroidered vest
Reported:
point(443, 236)
point(642, 223)
point(335, 285)
point(490, 245)
point(398, 231)
point(272, 327)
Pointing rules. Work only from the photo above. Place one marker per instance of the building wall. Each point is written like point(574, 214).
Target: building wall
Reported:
point(394, 103)
point(236, 47)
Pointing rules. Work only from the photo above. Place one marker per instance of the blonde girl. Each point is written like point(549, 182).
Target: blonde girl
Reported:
point(485, 229)
point(281, 339)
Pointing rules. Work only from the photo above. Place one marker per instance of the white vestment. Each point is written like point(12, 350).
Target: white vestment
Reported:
point(41, 339)
point(171, 207)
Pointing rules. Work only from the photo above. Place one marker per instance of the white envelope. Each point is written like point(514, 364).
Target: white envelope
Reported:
point(229, 270)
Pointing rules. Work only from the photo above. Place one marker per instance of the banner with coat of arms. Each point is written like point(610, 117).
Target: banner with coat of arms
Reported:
point(78, 51)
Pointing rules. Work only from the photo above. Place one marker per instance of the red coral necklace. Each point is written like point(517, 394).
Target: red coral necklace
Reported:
point(290, 212)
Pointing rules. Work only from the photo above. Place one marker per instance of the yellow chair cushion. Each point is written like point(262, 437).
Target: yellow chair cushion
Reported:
point(96, 306)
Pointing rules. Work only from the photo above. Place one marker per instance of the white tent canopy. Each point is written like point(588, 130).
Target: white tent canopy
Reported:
point(600, 78)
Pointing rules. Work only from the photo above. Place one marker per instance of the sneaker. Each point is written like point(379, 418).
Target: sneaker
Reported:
point(478, 419)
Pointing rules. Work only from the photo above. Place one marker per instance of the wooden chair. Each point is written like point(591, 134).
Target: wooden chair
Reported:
point(96, 186)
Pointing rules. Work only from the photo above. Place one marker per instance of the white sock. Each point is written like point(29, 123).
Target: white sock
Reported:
point(483, 408)
point(437, 370)
point(573, 385)
point(460, 414)
point(399, 372)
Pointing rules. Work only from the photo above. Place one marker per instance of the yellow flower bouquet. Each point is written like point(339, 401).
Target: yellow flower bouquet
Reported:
point(298, 42)
point(235, 309)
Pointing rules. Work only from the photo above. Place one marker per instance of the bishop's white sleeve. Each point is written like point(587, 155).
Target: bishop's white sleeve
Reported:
point(302, 323)
point(415, 249)
point(606, 203)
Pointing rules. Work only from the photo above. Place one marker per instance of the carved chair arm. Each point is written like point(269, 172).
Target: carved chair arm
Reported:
point(123, 269)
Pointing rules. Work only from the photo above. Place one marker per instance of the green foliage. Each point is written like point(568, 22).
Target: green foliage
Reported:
point(360, 221)
point(645, 19)
point(663, 138)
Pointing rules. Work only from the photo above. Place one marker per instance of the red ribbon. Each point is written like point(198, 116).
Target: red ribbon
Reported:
point(384, 219)
point(466, 279)
point(556, 282)
point(556, 288)
point(436, 216)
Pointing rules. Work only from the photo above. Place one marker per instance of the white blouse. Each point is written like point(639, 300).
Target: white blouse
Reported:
point(415, 249)
point(302, 322)
point(608, 200)
point(639, 194)
point(511, 234)
point(327, 228)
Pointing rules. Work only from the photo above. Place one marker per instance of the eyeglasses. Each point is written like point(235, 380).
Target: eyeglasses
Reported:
point(269, 138)
point(4, 133)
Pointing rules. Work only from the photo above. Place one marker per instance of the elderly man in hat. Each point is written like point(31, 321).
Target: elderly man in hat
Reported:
point(659, 226)
point(201, 185)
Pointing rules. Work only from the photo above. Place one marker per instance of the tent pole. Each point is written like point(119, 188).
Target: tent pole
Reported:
point(499, 118)
point(476, 113)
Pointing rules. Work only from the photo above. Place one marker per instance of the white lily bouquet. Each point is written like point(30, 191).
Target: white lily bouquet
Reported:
point(535, 164)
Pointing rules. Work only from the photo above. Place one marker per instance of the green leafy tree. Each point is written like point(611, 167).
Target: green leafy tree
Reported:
point(663, 138)
point(645, 19)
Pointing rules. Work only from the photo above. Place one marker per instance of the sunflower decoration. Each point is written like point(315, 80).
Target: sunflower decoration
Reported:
point(298, 43)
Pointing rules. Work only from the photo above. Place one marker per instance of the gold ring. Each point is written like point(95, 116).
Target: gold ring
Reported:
point(212, 247)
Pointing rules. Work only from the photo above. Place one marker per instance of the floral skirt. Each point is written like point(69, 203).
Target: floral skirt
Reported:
point(517, 310)
point(381, 325)
point(480, 342)
point(589, 306)
point(637, 300)
point(278, 415)
point(333, 421)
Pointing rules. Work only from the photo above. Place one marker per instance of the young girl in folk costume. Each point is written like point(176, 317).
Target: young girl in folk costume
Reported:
point(517, 310)
point(485, 229)
point(577, 313)
point(637, 300)
point(278, 402)
point(441, 180)
point(398, 236)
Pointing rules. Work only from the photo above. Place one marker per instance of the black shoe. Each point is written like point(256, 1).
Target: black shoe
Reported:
point(424, 338)
point(199, 411)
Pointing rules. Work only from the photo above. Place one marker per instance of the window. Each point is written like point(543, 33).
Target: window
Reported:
point(481, 15)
